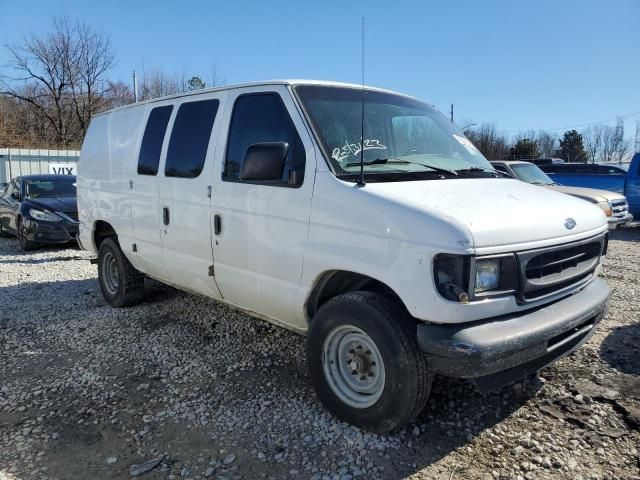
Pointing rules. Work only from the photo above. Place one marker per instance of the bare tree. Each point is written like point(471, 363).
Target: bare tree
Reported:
point(119, 94)
point(60, 75)
point(546, 143)
point(593, 137)
point(614, 146)
point(486, 138)
point(90, 58)
point(157, 83)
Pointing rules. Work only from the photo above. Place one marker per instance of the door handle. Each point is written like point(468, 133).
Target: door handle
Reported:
point(217, 224)
point(165, 215)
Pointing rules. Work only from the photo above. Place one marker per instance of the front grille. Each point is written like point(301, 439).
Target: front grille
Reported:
point(559, 262)
point(545, 272)
point(619, 207)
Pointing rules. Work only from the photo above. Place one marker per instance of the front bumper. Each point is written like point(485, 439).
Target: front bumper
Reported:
point(501, 350)
point(615, 222)
point(51, 232)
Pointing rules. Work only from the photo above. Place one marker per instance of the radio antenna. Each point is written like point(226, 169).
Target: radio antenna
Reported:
point(361, 181)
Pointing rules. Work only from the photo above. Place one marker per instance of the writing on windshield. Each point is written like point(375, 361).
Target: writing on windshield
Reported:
point(354, 149)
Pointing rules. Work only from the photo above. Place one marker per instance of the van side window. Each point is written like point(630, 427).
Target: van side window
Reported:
point(152, 139)
point(190, 138)
point(261, 118)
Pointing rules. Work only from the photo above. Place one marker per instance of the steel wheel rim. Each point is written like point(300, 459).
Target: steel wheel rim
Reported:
point(353, 366)
point(110, 273)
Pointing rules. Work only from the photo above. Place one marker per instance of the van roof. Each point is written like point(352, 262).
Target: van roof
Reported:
point(288, 82)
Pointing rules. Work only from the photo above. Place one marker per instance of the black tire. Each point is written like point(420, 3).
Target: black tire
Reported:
point(121, 284)
point(3, 231)
point(407, 378)
point(25, 244)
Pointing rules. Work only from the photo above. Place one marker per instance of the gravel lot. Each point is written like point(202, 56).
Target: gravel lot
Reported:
point(87, 391)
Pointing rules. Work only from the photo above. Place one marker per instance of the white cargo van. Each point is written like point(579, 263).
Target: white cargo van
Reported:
point(383, 234)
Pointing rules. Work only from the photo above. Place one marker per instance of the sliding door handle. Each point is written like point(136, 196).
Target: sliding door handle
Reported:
point(217, 224)
point(165, 215)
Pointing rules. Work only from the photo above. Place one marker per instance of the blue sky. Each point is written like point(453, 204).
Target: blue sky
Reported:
point(522, 64)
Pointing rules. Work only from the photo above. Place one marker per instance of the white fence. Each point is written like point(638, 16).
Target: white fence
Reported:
point(26, 161)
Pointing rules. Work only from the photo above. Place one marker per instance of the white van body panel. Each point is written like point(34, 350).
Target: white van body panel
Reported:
point(105, 171)
point(525, 213)
point(186, 242)
point(260, 252)
point(277, 243)
point(392, 231)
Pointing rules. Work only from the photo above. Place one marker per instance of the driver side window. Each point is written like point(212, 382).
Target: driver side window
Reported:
point(259, 118)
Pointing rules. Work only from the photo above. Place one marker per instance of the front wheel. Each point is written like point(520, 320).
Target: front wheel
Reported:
point(121, 284)
point(365, 363)
point(25, 244)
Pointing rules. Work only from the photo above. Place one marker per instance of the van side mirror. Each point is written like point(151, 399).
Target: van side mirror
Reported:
point(15, 195)
point(264, 162)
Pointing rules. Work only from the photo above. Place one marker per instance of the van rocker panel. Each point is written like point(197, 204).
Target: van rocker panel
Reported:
point(502, 350)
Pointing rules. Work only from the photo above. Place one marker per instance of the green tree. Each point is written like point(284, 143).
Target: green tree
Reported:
point(572, 147)
point(195, 83)
point(525, 148)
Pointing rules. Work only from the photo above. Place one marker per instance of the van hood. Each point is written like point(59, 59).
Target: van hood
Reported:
point(496, 211)
point(589, 194)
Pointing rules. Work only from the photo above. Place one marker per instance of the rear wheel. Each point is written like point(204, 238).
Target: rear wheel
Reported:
point(25, 243)
point(365, 362)
point(121, 284)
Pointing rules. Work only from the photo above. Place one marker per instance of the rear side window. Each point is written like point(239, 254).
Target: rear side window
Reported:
point(152, 139)
point(261, 118)
point(190, 138)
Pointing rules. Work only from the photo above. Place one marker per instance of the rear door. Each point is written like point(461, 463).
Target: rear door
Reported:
point(185, 193)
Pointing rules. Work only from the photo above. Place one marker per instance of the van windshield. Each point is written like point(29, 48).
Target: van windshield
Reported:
point(402, 136)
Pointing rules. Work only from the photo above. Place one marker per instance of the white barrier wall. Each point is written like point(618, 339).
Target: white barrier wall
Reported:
point(25, 161)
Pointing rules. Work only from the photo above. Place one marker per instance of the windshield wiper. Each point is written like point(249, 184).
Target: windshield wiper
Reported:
point(397, 161)
point(481, 169)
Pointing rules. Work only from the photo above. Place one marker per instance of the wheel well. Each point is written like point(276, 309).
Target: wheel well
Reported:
point(101, 231)
point(337, 282)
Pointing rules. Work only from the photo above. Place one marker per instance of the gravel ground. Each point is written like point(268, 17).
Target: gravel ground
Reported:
point(202, 391)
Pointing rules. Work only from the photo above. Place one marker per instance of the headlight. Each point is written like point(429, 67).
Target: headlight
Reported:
point(606, 208)
point(464, 278)
point(487, 275)
point(44, 216)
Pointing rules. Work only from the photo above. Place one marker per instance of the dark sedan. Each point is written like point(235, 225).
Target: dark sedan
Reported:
point(40, 209)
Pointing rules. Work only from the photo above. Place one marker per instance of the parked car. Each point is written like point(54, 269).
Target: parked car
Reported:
point(40, 209)
point(613, 178)
point(614, 205)
point(388, 239)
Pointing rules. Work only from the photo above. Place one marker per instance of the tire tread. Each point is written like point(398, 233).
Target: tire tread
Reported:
point(404, 327)
point(133, 279)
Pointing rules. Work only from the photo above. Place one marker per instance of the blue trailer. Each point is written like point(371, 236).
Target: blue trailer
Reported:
point(604, 177)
